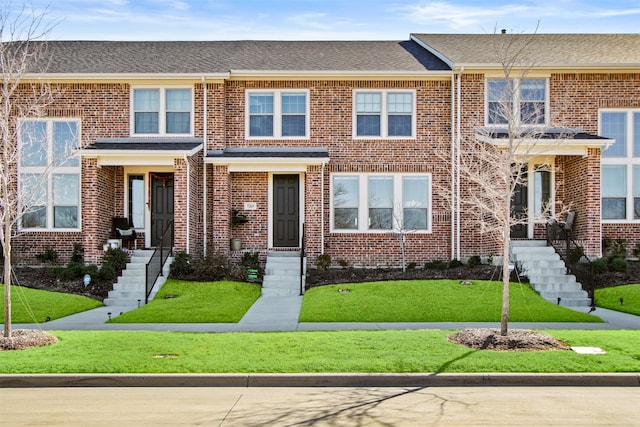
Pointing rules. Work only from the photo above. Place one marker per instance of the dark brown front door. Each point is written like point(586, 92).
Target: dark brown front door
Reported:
point(519, 210)
point(286, 210)
point(161, 204)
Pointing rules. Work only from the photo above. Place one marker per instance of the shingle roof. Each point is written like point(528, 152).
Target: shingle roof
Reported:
point(168, 57)
point(144, 144)
point(579, 50)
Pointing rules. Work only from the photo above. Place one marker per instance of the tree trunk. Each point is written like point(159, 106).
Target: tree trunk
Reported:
point(506, 275)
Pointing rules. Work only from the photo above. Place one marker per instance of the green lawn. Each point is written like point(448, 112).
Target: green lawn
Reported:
point(610, 298)
point(430, 301)
point(195, 302)
point(33, 305)
point(338, 351)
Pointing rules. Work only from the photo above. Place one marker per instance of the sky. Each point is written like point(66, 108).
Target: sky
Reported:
point(324, 19)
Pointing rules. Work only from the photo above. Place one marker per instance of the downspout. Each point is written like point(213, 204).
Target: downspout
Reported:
point(322, 208)
point(186, 160)
point(204, 169)
point(453, 171)
point(458, 128)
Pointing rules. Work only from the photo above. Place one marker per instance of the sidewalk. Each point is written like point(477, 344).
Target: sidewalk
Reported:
point(281, 314)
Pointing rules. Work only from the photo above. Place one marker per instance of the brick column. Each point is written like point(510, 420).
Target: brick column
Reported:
point(313, 212)
point(219, 208)
point(98, 204)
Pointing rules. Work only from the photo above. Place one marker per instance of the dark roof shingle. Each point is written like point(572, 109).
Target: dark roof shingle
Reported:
point(184, 57)
point(541, 49)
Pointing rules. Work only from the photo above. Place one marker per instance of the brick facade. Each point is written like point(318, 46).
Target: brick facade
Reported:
point(104, 108)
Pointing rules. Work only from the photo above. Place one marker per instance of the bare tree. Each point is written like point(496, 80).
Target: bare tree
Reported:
point(22, 51)
point(494, 159)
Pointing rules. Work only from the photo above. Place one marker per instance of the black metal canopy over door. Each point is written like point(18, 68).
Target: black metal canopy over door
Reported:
point(286, 210)
point(161, 204)
point(519, 209)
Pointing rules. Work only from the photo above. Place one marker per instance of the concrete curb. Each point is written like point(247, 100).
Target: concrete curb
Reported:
point(319, 380)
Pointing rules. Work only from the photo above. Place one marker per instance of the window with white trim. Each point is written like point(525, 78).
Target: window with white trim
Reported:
point(521, 100)
point(277, 114)
point(381, 202)
point(384, 114)
point(162, 111)
point(620, 166)
point(49, 174)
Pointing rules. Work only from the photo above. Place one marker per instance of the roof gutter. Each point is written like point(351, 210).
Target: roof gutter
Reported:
point(333, 74)
point(125, 76)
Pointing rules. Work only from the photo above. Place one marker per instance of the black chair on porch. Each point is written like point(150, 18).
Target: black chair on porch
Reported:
point(122, 228)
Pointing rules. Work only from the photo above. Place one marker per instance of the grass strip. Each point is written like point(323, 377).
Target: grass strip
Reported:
point(625, 298)
point(35, 305)
point(431, 301)
point(195, 302)
point(301, 352)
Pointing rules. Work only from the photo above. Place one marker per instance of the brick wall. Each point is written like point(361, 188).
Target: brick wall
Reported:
point(331, 127)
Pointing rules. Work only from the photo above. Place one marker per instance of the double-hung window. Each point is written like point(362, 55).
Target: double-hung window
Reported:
point(384, 114)
point(49, 174)
point(620, 166)
point(519, 101)
point(162, 111)
point(277, 114)
point(381, 202)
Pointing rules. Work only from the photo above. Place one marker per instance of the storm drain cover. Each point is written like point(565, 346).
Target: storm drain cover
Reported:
point(588, 350)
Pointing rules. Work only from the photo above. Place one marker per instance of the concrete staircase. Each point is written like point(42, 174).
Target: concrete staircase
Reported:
point(130, 288)
point(547, 273)
point(282, 274)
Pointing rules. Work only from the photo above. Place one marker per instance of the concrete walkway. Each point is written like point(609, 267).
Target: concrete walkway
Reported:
point(282, 313)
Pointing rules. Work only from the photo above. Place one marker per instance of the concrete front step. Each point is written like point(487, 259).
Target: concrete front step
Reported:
point(542, 277)
point(555, 287)
point(547, 274)
point(282, 274)
point(550, 295)
point(130, 288)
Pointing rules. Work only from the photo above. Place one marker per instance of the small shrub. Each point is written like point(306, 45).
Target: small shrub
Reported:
point(435, 265)
point(619, 264)
point(49, 256)
point(454, 263)
point(474, 261)
point(411, 266)
point(636, 250)
point(619, 248)
point(181, 265)
point(601, 265)
point(117, 258)
point(343, 263)
point(575, 254)
point(323, 261)
point(251, 259)
point(107, 272)
point(78, 253)
point(212, 267)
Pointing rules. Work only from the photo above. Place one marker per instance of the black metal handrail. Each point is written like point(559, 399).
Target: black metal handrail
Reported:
point(302, 256)
point(159, 257)
point(574, 257)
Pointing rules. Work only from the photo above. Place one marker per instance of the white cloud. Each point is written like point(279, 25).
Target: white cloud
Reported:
point(457, 16)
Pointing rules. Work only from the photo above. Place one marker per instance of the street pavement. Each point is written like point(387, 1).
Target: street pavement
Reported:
point(321, 406)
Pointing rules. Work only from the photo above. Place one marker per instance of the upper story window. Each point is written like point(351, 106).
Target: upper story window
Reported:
point(277, 114)
point(384, 114)
point(381, 202)
point(620, 165)
point(523, 101)
point(49, 174)
point(162, 111)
